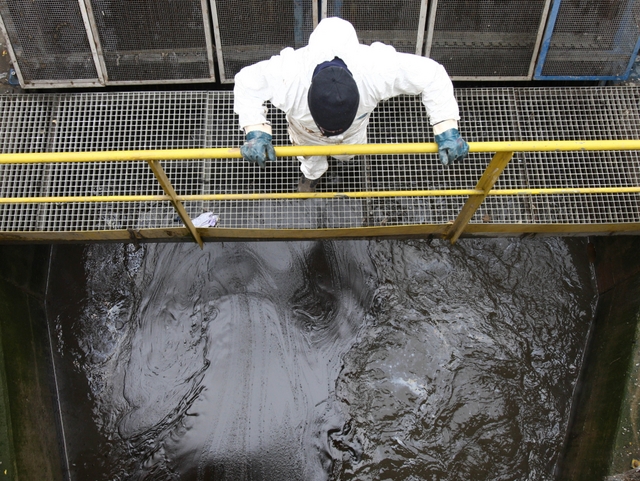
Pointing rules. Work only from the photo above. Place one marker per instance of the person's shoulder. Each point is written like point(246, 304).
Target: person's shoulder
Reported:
point(374, 57)
point(290, 58)
point(287, 58)
point(284, 55)
point(387, 54)
point(379, 53)
point(288, 52)
point(380, 47)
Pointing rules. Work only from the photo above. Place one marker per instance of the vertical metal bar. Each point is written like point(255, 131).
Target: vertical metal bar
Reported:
point(218, 41)
point(486, 182)
point(207, 38)
point(421, 26)
point(164, 181)
point(541, 29)
point(93, 38)
point(430, 28)
point(546, 40)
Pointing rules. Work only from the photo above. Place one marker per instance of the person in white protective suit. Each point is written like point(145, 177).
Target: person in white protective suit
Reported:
point(328, 90)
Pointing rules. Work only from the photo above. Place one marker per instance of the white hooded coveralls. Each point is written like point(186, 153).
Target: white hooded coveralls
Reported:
point(380, 72)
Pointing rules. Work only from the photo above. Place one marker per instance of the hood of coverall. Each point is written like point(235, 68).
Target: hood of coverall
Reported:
point(335, 108)
point(332, 36)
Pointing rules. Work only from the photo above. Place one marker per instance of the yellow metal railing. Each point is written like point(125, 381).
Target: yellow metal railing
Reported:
point(503, 153)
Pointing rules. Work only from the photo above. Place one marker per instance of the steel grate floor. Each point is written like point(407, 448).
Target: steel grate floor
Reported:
point(197, 119)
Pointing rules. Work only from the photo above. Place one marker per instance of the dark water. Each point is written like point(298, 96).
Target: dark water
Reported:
point(398, 360)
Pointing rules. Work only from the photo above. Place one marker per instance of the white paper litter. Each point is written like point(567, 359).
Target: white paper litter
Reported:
point(208, 219)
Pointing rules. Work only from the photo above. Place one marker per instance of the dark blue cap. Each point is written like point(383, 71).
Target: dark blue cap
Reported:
point(333, 97)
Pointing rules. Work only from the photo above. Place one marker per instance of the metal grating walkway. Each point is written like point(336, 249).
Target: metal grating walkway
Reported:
point(78, 122)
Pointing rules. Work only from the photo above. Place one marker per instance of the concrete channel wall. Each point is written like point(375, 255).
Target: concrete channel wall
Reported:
point(604, 433)
point(29, 428)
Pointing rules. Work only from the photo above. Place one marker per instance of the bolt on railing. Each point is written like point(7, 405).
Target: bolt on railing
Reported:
point(503, 153)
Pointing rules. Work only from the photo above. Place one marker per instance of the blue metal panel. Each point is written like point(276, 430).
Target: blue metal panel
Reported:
point(589, 40)
point(546, 39)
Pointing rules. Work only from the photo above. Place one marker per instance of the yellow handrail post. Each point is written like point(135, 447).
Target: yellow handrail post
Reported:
point(485, 184)
point(164, 181)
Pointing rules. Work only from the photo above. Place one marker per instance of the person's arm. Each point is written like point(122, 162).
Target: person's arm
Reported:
point(441, 105)
point(416, 75)
point(253, 87)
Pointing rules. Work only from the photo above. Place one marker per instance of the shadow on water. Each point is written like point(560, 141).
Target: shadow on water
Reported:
point(318, 360)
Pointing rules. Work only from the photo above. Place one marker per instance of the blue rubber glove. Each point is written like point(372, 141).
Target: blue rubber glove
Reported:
point(258, 148)
point(451, 147)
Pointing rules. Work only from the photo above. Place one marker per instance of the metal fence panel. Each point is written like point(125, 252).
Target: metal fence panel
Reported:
point(154, 42)
point(486, 40)
point(250, 31)
point(397, 23)
point(48, 42)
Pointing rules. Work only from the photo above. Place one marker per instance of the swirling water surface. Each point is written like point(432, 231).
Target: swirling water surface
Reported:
point(325, 360)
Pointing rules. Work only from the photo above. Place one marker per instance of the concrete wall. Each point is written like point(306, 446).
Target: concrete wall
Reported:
point(29, 427)
point(604, 434)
